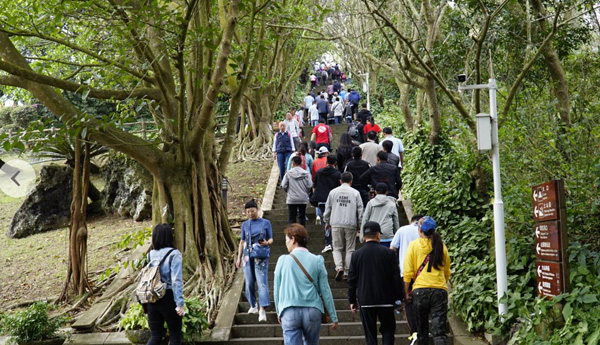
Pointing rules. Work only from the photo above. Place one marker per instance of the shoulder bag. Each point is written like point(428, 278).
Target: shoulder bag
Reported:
point(256, 250)
point(425, 262)
point(326, 318)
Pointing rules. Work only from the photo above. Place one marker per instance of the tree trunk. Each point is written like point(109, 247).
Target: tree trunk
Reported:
point(434, 111)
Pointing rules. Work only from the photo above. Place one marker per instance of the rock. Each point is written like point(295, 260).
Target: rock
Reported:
point(127, 189)
point(48, 205)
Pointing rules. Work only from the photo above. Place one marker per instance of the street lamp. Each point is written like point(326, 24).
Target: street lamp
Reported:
point(224, 187)
point(483, 136)
point(366, 88)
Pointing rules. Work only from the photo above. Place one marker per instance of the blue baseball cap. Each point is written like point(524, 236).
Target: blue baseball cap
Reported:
point(428, 225)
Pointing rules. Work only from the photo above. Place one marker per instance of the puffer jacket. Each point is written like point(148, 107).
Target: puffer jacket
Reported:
point(382, 209)
point(297, 183)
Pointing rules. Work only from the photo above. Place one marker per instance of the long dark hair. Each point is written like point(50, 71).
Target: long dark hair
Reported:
point(346, 140)
point(162, 237)
point(437, 250)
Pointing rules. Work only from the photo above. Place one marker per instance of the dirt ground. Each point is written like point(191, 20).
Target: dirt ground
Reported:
point(35, 267)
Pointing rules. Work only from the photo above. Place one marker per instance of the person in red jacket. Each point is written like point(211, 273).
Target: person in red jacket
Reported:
point(372, 126)
point(322, 135)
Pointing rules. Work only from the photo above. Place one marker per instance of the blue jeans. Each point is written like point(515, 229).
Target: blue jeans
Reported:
point(257, 271)
point(326, 233)
point(314, 122)
point(301, 322)
point(282, 163)
point(338, 119)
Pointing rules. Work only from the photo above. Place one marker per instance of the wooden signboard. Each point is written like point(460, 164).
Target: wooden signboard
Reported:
point(547, 241)
point(545, 202)
point(549, 278)
point(551, 239)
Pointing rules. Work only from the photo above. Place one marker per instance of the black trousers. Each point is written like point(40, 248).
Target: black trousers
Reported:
point(297, 210)
point(432, 302)
point(160, 312)
point(369, 316)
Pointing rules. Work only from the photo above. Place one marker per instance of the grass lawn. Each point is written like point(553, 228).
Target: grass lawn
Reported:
point(35, 267)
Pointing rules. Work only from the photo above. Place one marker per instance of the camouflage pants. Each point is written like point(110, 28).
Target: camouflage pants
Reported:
point(432, 302)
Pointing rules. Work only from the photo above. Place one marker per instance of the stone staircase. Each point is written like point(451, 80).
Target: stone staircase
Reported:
point(247, 330)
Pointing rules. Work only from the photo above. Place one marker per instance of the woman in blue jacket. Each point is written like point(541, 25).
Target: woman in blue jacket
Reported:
point(297, 302)
point(168, 309)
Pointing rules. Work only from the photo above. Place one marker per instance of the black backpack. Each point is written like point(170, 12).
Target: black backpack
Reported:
point(353, 131)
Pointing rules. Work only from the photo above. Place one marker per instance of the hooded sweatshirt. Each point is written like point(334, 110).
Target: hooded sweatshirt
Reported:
point(382, 209)
point(326, 179)
point(415, 256)
point(343, 208)
point(297, 183)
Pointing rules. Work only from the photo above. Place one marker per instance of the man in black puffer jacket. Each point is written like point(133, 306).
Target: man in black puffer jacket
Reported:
point(326, 179)
point(383, 172)
point(374, 281)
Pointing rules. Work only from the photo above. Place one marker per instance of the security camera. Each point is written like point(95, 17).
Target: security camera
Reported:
point(461, 78)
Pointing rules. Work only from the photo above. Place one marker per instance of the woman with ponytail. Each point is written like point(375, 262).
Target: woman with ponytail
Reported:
point(426, 275)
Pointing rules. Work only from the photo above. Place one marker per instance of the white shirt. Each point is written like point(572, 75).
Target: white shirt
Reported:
point(292, 127)
point(308, 101)
point(397, 148)
point(402, 239)
point(338, 108)
point(314, 113)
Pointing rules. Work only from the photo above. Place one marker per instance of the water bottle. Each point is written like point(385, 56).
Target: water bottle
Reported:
point(397, 307)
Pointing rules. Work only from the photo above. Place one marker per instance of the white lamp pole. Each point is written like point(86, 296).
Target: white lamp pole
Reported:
point(367, 89)
point(499, 235)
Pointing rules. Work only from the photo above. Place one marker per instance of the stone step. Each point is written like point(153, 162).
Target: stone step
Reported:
point(343, 316)
point(337, 293)
point(400, 339)
point(340, 304)
point(274, 330)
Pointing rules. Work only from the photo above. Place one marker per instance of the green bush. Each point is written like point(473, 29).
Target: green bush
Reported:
point(32, 323)
point(134, 318)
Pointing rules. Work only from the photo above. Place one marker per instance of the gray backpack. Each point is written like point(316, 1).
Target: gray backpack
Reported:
point(150, 287)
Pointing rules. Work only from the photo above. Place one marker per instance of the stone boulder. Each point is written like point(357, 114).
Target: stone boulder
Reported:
point(127, 188)
point(48, 205)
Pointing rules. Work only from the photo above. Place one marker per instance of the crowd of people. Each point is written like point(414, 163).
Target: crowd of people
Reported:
point(355, 192)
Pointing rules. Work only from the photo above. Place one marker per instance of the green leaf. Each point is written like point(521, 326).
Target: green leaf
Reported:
point(567, 311)
point(589, 298)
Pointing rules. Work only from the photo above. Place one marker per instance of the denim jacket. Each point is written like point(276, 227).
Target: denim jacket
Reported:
point(170, 271)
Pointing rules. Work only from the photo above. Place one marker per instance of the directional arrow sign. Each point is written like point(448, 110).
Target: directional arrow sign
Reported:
point(535, 195)
point(549, 278)
point(537, 231)
point(537, 248)
point(539, 271)
point(545, 201)
point(547, 241)
point(540, 288)
point(17, 178)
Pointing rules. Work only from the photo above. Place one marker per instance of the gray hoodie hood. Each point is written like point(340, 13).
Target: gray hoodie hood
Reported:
point(297, 183)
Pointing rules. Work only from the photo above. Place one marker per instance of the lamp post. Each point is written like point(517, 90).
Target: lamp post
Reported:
point(224, 187)
point(482, 138)
point(366, 88)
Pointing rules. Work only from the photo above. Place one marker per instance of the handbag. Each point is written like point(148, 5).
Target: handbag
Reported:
point(326, 318)
point(255, 250)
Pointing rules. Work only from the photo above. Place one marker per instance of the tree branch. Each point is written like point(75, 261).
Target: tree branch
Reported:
point(30, 75)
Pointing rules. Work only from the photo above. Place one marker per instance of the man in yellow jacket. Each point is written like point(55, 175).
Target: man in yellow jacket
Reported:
point(426, 275)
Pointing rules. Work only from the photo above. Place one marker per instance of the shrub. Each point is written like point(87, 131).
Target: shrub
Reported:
point(32, 323)
point(134, 318)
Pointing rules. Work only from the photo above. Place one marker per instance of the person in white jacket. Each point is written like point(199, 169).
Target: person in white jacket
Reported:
point(343, 213)
point(297, 182)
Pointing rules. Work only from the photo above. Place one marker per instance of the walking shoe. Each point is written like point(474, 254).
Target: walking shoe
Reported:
point(253, 310)
point(345, 276)
point(327, 249)
point(317, 220)
point(338, 275)
point(262, 316)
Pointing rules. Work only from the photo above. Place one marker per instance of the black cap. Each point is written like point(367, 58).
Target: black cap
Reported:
point(381, 188)
point(371, 228)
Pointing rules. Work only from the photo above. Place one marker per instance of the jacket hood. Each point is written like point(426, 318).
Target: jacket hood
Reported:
point(424, 244)
point(381, 200)
point(297, 172)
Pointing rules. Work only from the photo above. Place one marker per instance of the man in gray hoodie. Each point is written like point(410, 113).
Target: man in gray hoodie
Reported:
point(382, 210)
point(297, 183)
point(343, 212)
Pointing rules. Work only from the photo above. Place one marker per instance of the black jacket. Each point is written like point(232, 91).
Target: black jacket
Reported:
point(374, 272)
point(383, 172)
point(363, 115)
point(357, 167)
point(344, 154)
point(326, 179)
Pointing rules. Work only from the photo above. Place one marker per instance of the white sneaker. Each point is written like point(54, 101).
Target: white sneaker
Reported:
point(262, 316)
point(317, 220)
point(327, 249)
point(253, 310)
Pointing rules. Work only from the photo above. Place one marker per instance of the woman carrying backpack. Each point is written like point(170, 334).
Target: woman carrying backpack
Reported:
point(253, 256)
point(307, 160)
point(168, 309)
point(426, 273)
